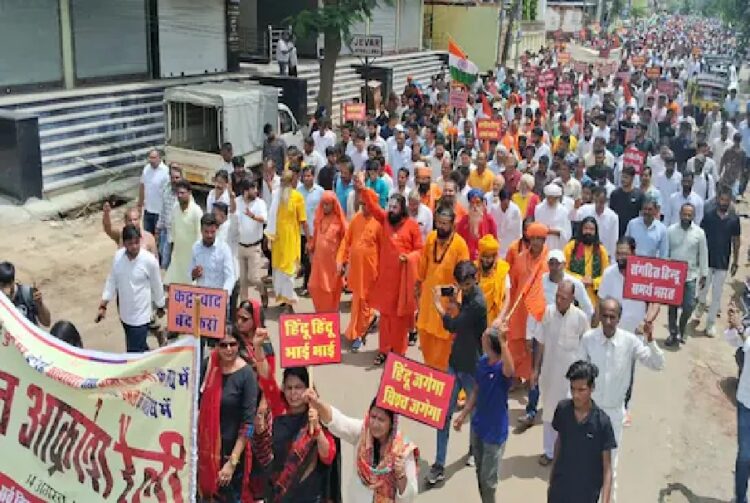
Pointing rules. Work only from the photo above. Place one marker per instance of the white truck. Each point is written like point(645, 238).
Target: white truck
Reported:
point(200, 118)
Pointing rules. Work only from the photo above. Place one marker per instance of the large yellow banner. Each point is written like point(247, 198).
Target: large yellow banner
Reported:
point(82, 426)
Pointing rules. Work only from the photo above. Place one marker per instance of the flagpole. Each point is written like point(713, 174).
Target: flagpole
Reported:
point(525, 290)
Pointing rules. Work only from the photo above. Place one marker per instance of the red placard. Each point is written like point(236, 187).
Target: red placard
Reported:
point(489, 129)
point(665, 86)
point(655, 280)
point(653, 72)
point(565, 89)
point(415, 390)
point(634, 157)
point(563, 58)
point(309, 339)
point(12, 491)
point(638, 61)
point(182, 310)
point(580, 66)
point(458, 98)
point(354, 112)
point(547, 78)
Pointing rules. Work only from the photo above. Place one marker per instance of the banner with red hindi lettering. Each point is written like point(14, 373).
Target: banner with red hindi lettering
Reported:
point(655, 280)
point(84, 426)
point(489, 129)
point(309, 339)
point(415, 390)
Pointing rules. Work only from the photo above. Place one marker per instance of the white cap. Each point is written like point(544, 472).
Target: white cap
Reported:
point(556, 255)
point(553, 190)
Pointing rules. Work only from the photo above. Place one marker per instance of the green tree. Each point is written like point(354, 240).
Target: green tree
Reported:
point(333, 20)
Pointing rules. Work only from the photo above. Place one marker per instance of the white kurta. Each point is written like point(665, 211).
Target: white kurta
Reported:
point(350, 430)
point(186, 230)
point(555, 218)
point(560, 335)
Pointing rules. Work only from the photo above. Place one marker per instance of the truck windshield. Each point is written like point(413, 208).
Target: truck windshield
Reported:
point(193, 127)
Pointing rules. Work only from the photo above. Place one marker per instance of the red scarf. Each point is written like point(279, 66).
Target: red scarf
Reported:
point(382, 478)
point(209, 436)
point(209, 431)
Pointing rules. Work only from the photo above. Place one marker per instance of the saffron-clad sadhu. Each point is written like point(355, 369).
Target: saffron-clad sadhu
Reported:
point(326, 283)
point(522, 272)
point(519, 245)
point(442, 251)
point(429, 192)
point(399, 244)
point(360, 251)
point(493, 277)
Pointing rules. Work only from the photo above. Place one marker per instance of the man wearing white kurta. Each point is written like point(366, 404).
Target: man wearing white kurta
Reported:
point(558, 336)
point(613, 351)
point(507, 216)
point(554, 215)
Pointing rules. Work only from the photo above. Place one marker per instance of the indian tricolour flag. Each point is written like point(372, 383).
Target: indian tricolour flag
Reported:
point(462, 69)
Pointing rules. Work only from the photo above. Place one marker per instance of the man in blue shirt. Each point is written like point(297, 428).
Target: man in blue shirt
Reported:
point(489, 401)
point(312, 192)
point(343, 183)
point(376, 183)
point(650, 234)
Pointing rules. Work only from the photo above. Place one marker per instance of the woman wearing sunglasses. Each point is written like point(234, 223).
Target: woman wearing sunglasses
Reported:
point(227, 410)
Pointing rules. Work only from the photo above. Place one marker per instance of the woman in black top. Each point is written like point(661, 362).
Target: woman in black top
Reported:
point(227, 409)
point(303, 450)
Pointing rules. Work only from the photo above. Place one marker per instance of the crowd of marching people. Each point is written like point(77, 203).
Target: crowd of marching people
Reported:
point(502, 260)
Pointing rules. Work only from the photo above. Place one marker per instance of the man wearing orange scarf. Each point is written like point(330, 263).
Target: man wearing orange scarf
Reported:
point(429, 192)
point(521, 272)
point(392, 294)
point(493, 277)
point(442, 251)
point(326, 282)
point(359, 251)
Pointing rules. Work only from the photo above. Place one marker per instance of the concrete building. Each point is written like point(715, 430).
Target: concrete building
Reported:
point(50, 44)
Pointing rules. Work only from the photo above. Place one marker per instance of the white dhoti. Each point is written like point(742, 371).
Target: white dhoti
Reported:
point(616, 415)
point(283, 286)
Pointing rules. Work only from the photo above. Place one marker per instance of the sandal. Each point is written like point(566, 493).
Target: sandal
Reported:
point(379, 360)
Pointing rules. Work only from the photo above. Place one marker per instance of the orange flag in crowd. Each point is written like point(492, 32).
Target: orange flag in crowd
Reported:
point(486, 108)
point(533, 294)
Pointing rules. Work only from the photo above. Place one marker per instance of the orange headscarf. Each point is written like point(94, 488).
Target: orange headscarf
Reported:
point(329, 196)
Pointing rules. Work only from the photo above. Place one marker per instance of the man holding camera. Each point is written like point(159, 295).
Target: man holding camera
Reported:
point(466, 317)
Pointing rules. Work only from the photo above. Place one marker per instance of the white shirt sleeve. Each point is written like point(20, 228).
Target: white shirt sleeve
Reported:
point(157, 287)
point(344, 427)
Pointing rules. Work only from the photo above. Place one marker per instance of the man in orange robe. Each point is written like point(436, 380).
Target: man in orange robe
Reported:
point(450, 198)
point(359, 250)
point(399, 243)
point(429, 192)
point(326, 283)
point(442, 251)
point(521, 272)
point(519, 245)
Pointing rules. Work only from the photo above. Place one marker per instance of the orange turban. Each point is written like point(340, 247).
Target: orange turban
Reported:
point(423, 171)
point(537, 230)
point(488, 245)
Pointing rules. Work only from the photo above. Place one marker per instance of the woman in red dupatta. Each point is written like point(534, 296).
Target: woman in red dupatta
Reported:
point(227, 409)
point(303, 450)
point(385, 462)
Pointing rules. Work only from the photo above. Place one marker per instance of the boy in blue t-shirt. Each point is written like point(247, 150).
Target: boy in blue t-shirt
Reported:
point(490, 420)
point(374, 182)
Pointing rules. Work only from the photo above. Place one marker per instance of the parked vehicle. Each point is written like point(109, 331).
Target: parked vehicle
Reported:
point(202, 117)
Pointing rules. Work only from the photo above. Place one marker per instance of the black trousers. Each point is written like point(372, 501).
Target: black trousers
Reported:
point(305, 263)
